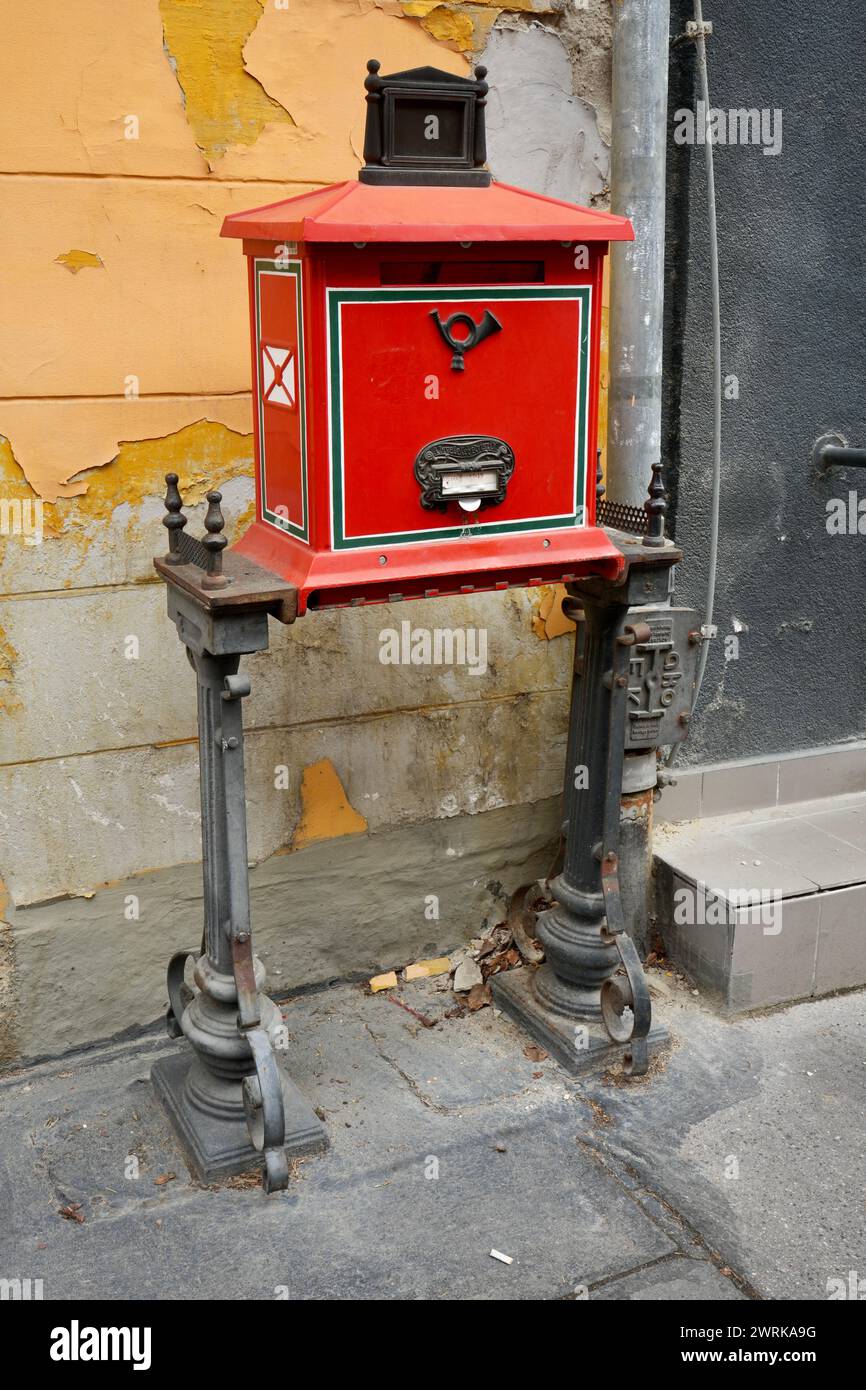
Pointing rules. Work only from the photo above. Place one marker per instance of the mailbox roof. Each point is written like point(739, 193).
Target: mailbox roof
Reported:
point(355, 211)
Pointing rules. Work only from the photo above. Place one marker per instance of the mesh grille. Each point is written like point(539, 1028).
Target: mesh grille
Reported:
point(621, 517)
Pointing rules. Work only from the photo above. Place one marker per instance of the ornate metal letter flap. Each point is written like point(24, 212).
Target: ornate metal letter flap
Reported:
point(472, 469)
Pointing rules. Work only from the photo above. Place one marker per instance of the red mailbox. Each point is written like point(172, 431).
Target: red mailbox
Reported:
point(425, 358)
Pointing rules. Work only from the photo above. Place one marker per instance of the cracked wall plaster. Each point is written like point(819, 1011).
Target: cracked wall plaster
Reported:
point(224, 103)
point(540, 135)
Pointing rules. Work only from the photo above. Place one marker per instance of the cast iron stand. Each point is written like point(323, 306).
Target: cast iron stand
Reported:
point(634, 661)
point(230, 1100)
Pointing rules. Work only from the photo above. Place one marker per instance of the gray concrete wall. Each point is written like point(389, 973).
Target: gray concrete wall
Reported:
point(793, 332)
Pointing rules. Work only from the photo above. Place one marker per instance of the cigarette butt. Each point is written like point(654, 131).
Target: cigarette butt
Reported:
point(504, 1259)
point(378, 982)
point(424, 969)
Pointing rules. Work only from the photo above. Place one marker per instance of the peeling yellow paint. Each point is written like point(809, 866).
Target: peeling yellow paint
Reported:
point(325, 809)
point(9, 702)
point(466, 26)
point(64, 448)
point(548, 619)
point(450, 26)
point(8, 658)
point(80, 260)
point(204, 456)
point(167, 316)
point(310, 58)
point(517, 6)
point(225, 104)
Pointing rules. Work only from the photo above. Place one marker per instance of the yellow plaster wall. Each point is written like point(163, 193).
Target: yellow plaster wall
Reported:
point(130, 131)
point(131, 127)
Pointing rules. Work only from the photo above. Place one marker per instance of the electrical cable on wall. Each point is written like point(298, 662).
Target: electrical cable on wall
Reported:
point(700, 40)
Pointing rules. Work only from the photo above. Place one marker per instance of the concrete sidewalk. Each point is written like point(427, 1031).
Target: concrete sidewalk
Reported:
point(734, 1171)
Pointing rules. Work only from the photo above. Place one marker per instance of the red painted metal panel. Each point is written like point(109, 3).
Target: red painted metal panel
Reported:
point(279, 390)
point(399, 392)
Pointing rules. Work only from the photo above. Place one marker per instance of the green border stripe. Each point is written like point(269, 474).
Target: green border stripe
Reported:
point(444, 294)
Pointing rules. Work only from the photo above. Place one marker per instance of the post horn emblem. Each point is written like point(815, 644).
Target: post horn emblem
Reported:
point(475, 333)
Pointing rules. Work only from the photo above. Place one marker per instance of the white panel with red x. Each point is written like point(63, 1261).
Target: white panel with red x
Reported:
point(279, 383)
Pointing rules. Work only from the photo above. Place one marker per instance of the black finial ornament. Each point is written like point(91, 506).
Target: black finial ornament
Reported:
point(214, 542)
point(174, 519)
point(656, 506)
point(425, 127)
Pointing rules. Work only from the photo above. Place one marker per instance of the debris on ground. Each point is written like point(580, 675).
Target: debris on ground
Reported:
point(467, 972)
point(243, 1182)
point(73, 1212)
point(425, 969)
point(386, 981)
point(479, 997)
point(599, 1114)
point(164, 1178)
point(422, 1018)
point(468, 969)
point(503, 1259)
point(535, 1053)
point(505, 946)
point(523, 908)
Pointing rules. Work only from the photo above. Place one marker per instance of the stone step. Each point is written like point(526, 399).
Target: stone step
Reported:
point(770, 906)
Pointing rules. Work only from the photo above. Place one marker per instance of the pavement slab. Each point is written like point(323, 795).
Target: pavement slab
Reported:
point(448, 1142)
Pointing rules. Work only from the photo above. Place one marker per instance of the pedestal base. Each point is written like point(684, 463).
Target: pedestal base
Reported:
point(590, 1049)
point(217, 1147)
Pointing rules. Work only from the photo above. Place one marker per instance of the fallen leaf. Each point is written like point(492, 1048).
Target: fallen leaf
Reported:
point(163, 1179)
point(479, 997)
point(73, 1213)
point(535, 1053)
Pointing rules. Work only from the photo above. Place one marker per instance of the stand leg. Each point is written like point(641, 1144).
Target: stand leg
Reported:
point(231, 1101)
point(571, 1002)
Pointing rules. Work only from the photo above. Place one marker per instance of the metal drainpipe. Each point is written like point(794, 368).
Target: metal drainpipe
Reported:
point(641, 39)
